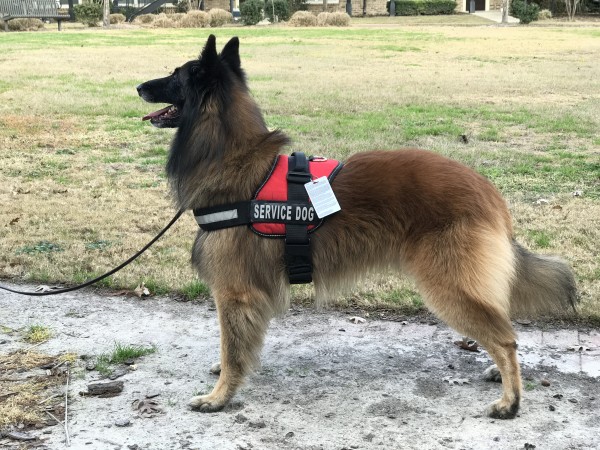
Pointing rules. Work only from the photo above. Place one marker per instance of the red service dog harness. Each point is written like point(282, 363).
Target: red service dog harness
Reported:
point(280, 208)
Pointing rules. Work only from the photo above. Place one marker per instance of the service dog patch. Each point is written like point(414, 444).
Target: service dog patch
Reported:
point(270, 208)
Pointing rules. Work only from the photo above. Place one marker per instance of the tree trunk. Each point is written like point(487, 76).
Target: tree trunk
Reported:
point(106, 14)
point(571, 8)
point(325, 5)
point(505, 11)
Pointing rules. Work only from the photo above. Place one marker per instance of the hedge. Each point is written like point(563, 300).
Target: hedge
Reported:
point(423, 7)
point(251, 11)
point(282, 10)
point(525, 12)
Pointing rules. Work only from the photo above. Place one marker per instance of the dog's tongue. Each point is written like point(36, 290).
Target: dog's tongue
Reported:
point(157, 113)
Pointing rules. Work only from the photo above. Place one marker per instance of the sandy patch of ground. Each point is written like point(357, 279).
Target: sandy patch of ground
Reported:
point(324, 383)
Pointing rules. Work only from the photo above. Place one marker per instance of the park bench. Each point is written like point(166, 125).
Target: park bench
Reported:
point(30, 9)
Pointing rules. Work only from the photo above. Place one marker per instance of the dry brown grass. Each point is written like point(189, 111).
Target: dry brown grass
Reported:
point(117, 18)
point(25, 25)
point(144, 19)
point(218, 17)
point(26, 390)
point(335, 19)
point(303, 19)
point(195, 19)
point(80, 170)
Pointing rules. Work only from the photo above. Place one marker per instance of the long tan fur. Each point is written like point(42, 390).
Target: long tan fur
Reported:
point(410, 210)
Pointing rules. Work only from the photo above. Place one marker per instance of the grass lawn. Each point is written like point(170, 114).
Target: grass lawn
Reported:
point(82, 185)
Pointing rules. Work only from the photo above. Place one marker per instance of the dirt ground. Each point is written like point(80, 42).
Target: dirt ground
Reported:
point(325, 382)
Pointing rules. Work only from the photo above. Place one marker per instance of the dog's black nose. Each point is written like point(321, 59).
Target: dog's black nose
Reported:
point(139, 89)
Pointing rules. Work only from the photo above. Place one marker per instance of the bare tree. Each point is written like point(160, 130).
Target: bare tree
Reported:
point(106, 14)
point(571, 7)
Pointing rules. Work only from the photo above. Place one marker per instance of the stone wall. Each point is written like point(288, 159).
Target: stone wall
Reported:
point(210, 4)
point(496, 5)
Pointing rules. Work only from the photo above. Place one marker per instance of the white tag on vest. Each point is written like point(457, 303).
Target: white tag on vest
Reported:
point(322, 197)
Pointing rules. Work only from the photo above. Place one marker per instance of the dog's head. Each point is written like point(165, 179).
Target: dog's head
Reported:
point(191, 84)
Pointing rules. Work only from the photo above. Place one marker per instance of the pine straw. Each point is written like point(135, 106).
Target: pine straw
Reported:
point(25, 388)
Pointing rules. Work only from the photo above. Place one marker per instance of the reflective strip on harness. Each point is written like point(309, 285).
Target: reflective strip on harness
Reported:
point(217, 217)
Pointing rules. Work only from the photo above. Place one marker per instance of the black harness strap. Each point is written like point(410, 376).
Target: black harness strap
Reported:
point(223, 216)
point(298, 259)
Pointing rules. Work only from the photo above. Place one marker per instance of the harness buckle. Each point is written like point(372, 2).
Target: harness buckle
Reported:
point(299, 262)
point(298, 177)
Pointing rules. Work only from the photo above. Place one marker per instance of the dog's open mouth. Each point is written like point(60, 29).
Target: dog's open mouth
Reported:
point(164, 118)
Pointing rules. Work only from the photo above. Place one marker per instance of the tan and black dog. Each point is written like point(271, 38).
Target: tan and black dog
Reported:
point(410, 210)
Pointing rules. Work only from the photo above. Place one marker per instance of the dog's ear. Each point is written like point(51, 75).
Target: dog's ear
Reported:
point(231, 56)
point(208, 57)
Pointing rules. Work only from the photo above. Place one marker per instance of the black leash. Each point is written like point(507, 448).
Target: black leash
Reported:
point(107, 274)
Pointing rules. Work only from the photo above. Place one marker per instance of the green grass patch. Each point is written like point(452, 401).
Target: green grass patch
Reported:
point(36, 334)
point(100, 245)
point(404, 297)
point(82, 276)
point(194, 290)
point(40, 247)
point(119, 354)
point(540, 238)
point(157, 287)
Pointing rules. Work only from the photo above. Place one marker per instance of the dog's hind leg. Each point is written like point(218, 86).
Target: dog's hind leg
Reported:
point(243, 318)
point(492, 328)
point(466, 283)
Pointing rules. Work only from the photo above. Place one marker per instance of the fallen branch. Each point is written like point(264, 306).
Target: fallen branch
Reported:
point(66, 425)
point(8, 394)
point(49, 398)
point(104, 388)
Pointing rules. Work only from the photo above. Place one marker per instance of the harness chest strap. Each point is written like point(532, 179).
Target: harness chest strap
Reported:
point(280, 209)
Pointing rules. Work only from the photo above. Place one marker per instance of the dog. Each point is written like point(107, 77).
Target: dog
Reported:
point(414, 211)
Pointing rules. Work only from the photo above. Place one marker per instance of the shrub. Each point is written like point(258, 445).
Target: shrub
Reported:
point(25, 25)
point(525, 13)
point(117, 18)
point(282, 10)
point(423, 7)
point(145, 19)
point(218, 17)
point(252, 11)
point(322, 18)
point(544, 14)
point(303, 19)
point(194, 19)
point(335, 19)
point(162, 21)
point(176, 17)
point(88, 13)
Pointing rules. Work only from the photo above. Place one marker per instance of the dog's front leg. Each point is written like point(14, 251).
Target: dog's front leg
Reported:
point(243, 318)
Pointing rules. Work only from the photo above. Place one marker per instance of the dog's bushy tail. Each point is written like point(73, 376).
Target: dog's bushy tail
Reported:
point(542, 285)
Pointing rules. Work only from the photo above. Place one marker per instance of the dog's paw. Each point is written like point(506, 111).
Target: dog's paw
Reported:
point(215, 369)
point(206, 404)
point(502, 410)
point(492, 374)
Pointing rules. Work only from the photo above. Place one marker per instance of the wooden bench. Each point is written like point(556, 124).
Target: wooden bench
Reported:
point(30, 9)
